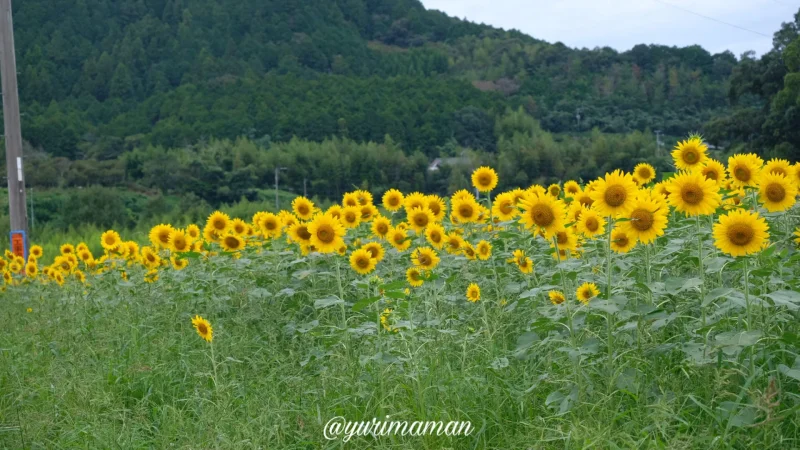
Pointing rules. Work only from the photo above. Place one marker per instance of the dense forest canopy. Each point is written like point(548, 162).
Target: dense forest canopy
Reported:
point(201, 99)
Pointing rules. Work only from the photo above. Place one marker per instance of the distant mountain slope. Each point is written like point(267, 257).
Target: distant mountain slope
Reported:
point(100, 76)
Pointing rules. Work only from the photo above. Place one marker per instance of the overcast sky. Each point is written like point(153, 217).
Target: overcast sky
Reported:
point(621, 24)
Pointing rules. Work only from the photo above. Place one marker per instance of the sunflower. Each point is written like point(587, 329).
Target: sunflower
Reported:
point(132, 249)
point(303, 208)
point(584, 198)
point(571, 188)
point(484, 179)
point(621, 242)
point(693, 194)
point(334, 211)
point(149, 257)
point(270, 225)
point(110, 240)
point(645, 172)
point(351, 216)
point(86, 256)
point(350, 199)
point(523, 262)
point(419, 218)
point(415, 200)
point(779, 166)
point(368, 212)
point(468, 250)
point(299, 234)
point(31, 269)
point(473, 293)
point(504, 206)
point(713, 170)
point(178, 263)
point(453, 243)
point(556, 297)
point(776, 191)
point(590, 223)
point(392, 200)
point(362, 261)
point(178, 241)
point(210, 234)
point(554, 190)
point(435, 234)
point(159, 235)
point(690, 154)
point(414, 277)
point(425, 258)
point(740, 233)
point(232, 243)
point(381, 226)
point(203, 328)
point(36, 251)
point(648, 220)
point(586, 292)
point(566, 239)
point(744, 169)
point(614, 194)
point(327, 233)
point(375, 250)
point(363, 197)
point(59, 277)
point(398, 238)
point(484, 250)
point(543, 212)
point(466, 210)
point(219, 222)
point(67, 248)
point(797, 236)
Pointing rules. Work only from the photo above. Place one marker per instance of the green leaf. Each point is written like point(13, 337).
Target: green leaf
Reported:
point(715, 294)
point(789, 299)
point(393, 286)
point(789, 372)
point(363, 303)
point(327, 301)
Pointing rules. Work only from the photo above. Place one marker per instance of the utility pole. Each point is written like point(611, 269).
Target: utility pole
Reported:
point(13, 134)
point(277, 171)
point(659, 144)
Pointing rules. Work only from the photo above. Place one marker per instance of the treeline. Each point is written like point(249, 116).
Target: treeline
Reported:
point(100, 77)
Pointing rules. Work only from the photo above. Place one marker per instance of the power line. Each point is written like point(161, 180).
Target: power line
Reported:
point(712, 19)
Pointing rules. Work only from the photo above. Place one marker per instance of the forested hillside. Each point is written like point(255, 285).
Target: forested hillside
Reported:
point(200, 100)
point(100, 76)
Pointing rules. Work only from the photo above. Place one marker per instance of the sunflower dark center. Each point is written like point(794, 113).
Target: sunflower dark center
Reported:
point(775, 192)
point(621, 241)
point(562, 238)
point(642, 219)
point(362, 262)
point(232, 242)
point(421, 219)
point(616, 195)
point(219, 224)
point(690, 156)
point(644, 172)
point(711, 174)
point(742, 173)
point(466, 211)
point(692, 194)
point(592, 224)
point(202, 328)
point(740, 234)
point(382, 228)
point(424, 259)
point(303, 233)
point(435, 237)
point(325, 234)
point(542, 215)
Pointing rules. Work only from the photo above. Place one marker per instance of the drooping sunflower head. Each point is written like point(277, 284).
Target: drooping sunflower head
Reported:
point(299, 234)
point(543, 212)
point(586, 292)
point(566, 239)
point(484, 179)
point(693, 194)
point(362, 261)
point(368, 212)
point(740, 233)
point(690, 154)
point(218, 221)
point(776, 191)
point(178, 263)
point(554, 190)
point(303, 208)
point(393, 200)
point(203, 328)
point(334, 211)
point(744, 169)
point(473, 293)
point(556, 297)
point(572, 187)
point(645, 172)
point(326, 233)
point(613, 195)
point(468, 250)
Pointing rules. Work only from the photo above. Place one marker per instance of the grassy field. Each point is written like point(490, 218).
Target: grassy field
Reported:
point(683, 345)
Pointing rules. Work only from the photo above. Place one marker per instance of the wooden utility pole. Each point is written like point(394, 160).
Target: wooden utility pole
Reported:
point(13, 134)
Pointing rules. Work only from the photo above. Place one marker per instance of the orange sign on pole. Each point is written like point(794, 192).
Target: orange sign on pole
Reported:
point(18, 244)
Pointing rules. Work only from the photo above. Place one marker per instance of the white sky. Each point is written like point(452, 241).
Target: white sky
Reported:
point(621, 24)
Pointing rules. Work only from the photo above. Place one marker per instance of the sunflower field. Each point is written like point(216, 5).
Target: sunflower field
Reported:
point(637, 310)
